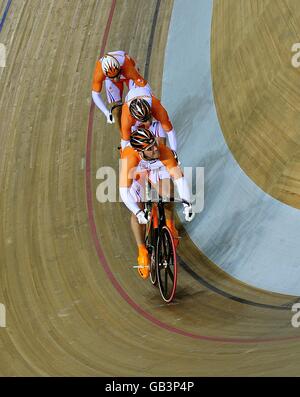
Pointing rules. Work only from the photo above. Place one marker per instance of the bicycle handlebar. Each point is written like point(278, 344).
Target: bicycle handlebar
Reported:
point(181, 201)
point(173, 199)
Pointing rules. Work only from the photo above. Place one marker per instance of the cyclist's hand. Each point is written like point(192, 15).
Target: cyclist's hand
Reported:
point(110, 118)
point(189, 214)
point(141, 216)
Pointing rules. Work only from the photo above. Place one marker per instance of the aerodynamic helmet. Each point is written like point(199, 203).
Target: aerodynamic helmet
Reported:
point(140, 109)
point(110, 66)
point(142, 139)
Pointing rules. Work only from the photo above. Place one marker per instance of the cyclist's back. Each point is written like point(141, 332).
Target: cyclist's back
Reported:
point(134, 161)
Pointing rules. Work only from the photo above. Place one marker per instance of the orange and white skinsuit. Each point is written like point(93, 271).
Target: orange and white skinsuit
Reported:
point(132, 179)
point(156, 129)
point(159, 114)
point(114, 89)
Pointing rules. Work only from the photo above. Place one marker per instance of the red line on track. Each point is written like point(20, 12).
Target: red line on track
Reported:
point(99, 250)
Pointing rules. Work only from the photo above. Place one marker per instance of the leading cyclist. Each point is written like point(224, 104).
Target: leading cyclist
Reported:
point(142, 161)
point(114, 69)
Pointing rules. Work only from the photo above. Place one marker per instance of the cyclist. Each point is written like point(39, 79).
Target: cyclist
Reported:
point(141, 108)
point(142, 161)
point(114, 68)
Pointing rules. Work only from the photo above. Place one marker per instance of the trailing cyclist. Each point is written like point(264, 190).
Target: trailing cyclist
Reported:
point(142, 161)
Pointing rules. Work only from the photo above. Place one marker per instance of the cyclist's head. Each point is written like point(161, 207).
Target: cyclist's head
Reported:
point(110, 66)
point(142, 139)
point(140, 109)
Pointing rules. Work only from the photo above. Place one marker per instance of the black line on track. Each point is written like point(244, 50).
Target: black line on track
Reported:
point(151, 38)
point(286, 306)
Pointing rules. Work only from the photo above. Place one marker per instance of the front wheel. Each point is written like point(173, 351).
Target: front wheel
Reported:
point(166, 265)
point(153, 263)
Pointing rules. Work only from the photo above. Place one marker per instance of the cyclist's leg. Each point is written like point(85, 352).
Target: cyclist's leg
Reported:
point(139, 232)
point(114, 92)
point(137, 192)
point(137, 229)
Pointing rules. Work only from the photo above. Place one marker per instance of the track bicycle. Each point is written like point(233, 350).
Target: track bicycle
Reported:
point(161, 248)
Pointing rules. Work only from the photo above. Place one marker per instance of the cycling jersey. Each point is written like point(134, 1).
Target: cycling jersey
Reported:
point(135, 171)
point(159, 113)
point(133, 165)
point(128, 72)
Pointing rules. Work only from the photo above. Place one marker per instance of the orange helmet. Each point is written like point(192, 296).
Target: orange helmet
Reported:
point(110, 66)
point(142, 139)
point(140, 109)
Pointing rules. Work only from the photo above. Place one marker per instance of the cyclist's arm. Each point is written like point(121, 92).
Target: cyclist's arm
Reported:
point(172, 140)
point(129, 161)
point(99, 103)
point(183, 189)
point(168, 159)
point(99, 77)
point(130, 72)
point(160, 113)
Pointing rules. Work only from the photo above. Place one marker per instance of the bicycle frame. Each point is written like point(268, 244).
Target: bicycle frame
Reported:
point(155, 210)
point(157, 228)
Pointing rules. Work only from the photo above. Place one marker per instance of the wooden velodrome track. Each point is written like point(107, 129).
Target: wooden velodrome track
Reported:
point(75, 306)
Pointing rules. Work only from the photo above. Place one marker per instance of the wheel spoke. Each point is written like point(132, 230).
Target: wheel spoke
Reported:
point(166, 280)
point(165, 246)
point(171, 275)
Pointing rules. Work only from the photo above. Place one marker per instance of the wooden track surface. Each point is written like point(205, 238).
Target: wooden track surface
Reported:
point(72, 309)
point(256, 90)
